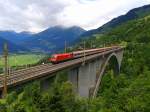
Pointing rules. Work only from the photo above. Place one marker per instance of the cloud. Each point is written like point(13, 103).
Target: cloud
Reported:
point(37, 15)
point(30, 15)
point(93, 14)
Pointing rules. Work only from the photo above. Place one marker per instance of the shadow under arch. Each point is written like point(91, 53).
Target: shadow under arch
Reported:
point(113, 58)
point(113, 63)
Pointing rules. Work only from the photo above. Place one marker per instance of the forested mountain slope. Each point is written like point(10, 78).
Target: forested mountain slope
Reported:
point(136, 31)
point(133, 14)
point(15, 37)
point(52, 39)
point(11, 46)
point(47, 41)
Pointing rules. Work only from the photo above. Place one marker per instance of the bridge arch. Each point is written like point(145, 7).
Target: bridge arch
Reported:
point(87, 79)
point(117, 63)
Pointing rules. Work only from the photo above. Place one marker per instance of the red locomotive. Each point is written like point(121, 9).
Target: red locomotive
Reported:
point(57, 58)
point(61, 57)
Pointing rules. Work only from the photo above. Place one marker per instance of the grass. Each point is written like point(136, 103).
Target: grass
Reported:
point(22, 59)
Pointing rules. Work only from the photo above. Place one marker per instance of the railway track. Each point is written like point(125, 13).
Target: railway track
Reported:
point(21, 74)
point(31, 73)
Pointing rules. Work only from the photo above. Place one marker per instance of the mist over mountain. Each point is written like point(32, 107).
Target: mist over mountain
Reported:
point(53, 38)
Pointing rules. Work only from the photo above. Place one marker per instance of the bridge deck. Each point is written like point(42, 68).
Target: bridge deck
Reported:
point(32, 73)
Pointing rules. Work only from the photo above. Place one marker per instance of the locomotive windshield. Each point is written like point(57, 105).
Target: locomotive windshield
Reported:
point(53, 56)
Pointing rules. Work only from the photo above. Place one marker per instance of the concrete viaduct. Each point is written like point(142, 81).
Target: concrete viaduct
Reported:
point(85, 77)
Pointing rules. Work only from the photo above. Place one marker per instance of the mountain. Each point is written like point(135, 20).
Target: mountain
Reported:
point(131, 15)
point(15, 37)
point(49, 40)
point(11, 46)
point(53, 39)
point(135, 31)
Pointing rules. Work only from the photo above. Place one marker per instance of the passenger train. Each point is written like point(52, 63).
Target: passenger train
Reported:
point(57, 58)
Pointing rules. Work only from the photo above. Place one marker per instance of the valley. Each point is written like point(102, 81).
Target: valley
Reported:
point(19, 61)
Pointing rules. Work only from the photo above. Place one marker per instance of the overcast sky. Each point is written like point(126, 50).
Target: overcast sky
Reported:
point(37, 15)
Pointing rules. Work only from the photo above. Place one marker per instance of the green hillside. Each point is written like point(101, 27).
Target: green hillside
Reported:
point(133, 14)
point(132, 31)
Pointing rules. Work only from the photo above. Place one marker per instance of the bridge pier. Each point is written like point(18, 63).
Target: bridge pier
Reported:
point(45, 84)
point(83, 82)
point(83, 78)
point(86, 78)
point(73, 78)
point(92, 77)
